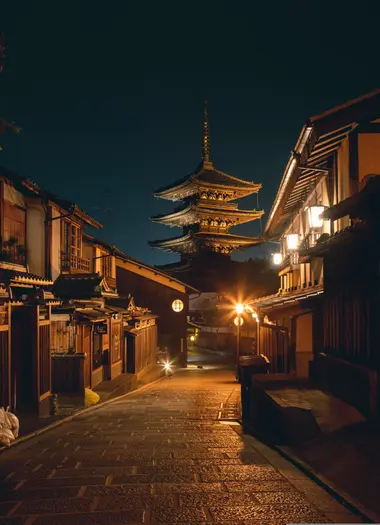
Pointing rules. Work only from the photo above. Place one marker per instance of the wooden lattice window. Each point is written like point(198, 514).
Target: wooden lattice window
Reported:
point(75, 240)
point(71, 239)
point(106, 265)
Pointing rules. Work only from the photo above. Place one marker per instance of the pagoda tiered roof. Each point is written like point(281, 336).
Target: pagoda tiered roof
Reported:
point(207, 179)
point(217, 242)
point(209, 196)
point(197, 211)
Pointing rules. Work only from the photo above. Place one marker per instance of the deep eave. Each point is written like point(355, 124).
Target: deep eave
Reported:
point(207, 176)
point(28, 187)
point(226, 238)
point(203, 209)
point(153, 272)
point(320, 137)
point(281, 300)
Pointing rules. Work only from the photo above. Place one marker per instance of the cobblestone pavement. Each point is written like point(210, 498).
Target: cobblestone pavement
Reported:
point(159, 455)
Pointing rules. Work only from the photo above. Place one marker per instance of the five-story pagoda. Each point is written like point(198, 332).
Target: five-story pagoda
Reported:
point(208, 210)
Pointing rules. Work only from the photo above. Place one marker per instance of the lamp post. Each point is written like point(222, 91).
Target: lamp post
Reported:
point(238, 322)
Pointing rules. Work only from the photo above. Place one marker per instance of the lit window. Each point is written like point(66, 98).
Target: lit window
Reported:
point(178, 305)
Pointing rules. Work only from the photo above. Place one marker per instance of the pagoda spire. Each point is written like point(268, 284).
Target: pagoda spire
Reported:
point(206, 135)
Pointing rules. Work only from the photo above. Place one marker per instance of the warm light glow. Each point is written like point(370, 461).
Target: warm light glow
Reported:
point(178, 305)
point(248, 308)
point(314, 214)
point(255, 316)
point(276, 258)
point(237, 319)
point(239, 308)
point(167, 366)
point(192, 338)
point(292, 241)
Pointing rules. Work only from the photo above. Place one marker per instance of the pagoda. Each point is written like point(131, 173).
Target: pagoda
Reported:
point(208, 209)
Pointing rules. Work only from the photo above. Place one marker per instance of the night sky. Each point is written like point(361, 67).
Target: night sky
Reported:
point(109, 96)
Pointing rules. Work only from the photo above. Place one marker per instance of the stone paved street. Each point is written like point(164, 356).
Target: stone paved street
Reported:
point(159, 455)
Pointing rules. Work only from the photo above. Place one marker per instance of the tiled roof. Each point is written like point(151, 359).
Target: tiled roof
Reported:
point(280, 299)
point(207, 174)
point(24, 184)
point(16, 277)
point(78, 286)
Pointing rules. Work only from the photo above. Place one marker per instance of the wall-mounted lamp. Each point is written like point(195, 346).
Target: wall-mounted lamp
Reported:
point(314, 213)
point(292, 241)
point(276, 258)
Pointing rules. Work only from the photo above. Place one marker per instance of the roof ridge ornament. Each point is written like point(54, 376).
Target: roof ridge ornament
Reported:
point(206, 136)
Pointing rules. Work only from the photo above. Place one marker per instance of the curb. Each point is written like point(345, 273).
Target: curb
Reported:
point(66, 419)
point(342, 497)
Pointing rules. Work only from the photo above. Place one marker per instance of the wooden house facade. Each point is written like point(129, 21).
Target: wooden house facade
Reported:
point(334, 154)
point(60, 328)
point(164, 295)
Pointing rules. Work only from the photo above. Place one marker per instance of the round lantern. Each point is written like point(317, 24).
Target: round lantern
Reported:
point(178, 305)
point(238, 321)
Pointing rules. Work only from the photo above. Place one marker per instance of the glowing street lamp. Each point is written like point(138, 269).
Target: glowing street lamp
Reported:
point(238, 322)
point(239, 308)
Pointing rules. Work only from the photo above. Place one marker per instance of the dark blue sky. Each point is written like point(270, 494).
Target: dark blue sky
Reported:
point(109, 96)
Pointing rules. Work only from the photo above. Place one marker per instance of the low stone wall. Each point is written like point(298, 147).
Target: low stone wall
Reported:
point(354, 384)
point(281, 424)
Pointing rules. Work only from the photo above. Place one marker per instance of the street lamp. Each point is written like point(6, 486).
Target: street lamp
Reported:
point(238, 322)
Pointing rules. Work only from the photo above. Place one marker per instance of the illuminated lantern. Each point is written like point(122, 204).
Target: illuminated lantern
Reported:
point(314, 214)
point(178, 305)
point(238, 321)
point(277, 258)
point(292, 241)
point(192, 338)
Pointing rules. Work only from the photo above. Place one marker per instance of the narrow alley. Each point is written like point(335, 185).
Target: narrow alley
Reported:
point(160, 455)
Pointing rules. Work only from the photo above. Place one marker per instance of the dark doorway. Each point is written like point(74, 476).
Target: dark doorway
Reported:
point(130, 352)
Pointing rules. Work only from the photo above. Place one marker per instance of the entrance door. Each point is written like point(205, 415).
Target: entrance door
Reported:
point(87, 351)
point(274, 344)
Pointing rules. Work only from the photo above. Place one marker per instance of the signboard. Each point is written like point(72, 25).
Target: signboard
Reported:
point(101, 328)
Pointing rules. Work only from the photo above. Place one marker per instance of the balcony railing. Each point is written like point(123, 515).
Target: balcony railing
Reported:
point(73, 264)
point(13, 253)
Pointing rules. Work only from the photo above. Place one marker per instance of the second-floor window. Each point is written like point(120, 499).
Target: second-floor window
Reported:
point(14, 225)
point(106, 265)
point(72, 241)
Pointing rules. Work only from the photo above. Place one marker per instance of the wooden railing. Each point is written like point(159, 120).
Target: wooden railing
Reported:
point(73, 263)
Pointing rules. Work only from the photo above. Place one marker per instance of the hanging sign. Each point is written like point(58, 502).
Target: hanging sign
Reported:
point(101, 328)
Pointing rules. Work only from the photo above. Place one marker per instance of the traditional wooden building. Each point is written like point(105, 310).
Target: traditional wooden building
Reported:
point(334, 153)
point(208, 209)
point(348, 363)
point(164, 295)
point(101, 333)
point(25, 305)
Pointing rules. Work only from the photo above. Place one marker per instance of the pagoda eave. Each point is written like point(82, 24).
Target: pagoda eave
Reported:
point(194, 214)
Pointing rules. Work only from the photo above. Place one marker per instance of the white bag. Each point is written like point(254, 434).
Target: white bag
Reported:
point(6, 436)
point(2, 416)
point(13, 422)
